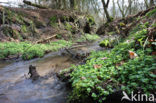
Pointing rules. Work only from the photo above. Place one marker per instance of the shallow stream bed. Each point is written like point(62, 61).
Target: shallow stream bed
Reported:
point(16, 87)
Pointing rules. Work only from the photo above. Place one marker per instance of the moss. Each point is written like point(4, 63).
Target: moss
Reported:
point(19, 19)
point(111, 33)
point(33, 52)
point(92, 37)
point(9, 32)
point(58, 36)
point(16, 34)
point(9, 14)
point(151, 13)
point(111, 19)
point(28, 50)
point(65, 18)
point(13, 17)
point(88, 37)
point(24, 29)
point(90, 20)
point(68, 27)
point(53, 21)
point(32, 27)
point(39, 24)
point(154, 25)
point(122, 24)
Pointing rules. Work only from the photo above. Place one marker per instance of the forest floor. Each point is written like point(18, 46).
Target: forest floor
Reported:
point(31, 33)
point(128, 64)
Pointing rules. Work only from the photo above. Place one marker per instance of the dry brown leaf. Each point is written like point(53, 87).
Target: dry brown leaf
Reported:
point(83, 78)
point(96, 66)
point(132, 54)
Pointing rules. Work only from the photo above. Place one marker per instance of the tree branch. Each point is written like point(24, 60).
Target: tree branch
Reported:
point(107, 3)
point(35, 5)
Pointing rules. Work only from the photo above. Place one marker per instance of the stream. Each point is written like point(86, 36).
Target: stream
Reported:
point(15, 87)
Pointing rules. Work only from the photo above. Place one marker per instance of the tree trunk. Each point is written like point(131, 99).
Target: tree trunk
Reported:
point(64, 4)
point(114, 12)
point(122, 11)
point(151, 2)
point(73, 4)
point(105, 6)
point(130, 6)
point(146, 3)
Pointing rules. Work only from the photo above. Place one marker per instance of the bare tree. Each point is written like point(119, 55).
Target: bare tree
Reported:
point(146, 3)
point(105, 6)
point(114, 7)
point(124, 9)
point(130, 6)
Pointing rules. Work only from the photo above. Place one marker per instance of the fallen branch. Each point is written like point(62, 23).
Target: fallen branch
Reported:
point(77, 46)
point(45, 40)
point(35, 5)
point(141, 13)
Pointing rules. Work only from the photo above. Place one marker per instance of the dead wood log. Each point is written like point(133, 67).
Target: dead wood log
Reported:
point(141, 13)
point(33, 73)
point(35, 5)
point(127, 20)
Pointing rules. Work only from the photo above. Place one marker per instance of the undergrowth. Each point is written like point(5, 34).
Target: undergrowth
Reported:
point(108, 71)
point(88, 37)
point(29, 50)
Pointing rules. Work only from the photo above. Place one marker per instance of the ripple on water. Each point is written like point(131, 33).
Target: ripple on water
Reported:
point(15, 88)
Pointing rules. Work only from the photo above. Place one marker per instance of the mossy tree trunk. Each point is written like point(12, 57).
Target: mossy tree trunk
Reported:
point(33, 4)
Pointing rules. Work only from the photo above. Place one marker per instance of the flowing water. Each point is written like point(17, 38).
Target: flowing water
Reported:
point(15, 87)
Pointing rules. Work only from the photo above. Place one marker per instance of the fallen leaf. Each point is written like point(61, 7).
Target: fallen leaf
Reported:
point(83, 78)
point(104, 58)
point(97, 66)
point(132, 54)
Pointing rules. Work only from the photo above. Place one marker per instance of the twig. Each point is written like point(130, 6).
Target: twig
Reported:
point(43, 40)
